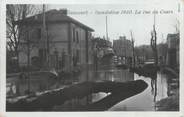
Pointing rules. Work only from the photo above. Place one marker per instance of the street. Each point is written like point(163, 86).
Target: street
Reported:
point(146, 100)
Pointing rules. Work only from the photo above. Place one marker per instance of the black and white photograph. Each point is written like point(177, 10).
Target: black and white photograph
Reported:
point(93, 57)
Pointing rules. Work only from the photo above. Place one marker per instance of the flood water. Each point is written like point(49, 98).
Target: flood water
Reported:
point(145, 101)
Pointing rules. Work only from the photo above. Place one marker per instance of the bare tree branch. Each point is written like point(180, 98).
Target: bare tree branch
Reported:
point(14, 32)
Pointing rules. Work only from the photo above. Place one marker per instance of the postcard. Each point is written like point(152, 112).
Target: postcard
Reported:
point(87, 58)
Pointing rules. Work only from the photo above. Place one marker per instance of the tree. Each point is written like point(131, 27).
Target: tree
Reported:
point(133, 48)
point(13, 32)
point(154, 45)
point(177, 26)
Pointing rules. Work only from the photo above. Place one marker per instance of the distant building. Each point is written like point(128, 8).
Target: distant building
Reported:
point(162, 53)
point(143, 54)
point(64, 45)
point(101, 42)
point(103, 46)
point(123, 48)
point(173, 50)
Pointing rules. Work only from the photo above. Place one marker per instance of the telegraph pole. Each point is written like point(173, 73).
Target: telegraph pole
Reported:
point(44, 41)
point(28, 61)
point(106, 29)
point(132, 40)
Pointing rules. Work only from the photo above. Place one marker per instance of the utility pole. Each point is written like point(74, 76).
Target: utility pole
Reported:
point(107, 29)
point(28, 60)
point(44, 41)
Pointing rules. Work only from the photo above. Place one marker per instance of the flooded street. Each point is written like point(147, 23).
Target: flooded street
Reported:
point(145, 101)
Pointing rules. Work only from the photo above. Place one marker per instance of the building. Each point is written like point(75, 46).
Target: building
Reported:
point(143, 54)
point(123, 48)
point(173, 50)
point(103, 46)
point(61, 43)
point(101, 42)
point(162, 53)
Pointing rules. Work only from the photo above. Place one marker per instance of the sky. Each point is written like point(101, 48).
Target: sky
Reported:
point(122, 19)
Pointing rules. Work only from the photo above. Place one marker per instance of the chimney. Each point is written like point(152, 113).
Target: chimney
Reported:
point(63, 11)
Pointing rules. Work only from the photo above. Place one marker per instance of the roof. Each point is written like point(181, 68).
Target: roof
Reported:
point(52, 16)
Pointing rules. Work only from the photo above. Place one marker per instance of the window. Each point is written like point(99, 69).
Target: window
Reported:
point(77, 34)
point(42, 55)
point(77, 55)
point(73, 34)
point(39, 33)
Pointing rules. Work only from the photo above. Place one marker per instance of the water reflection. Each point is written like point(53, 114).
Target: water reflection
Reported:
point(19, 87)
point(146, 100)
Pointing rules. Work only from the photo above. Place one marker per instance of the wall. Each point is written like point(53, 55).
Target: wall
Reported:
point(79, 45)
point(173, 50)
point(57, 36)
point(61, 39)
point(28, 33)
